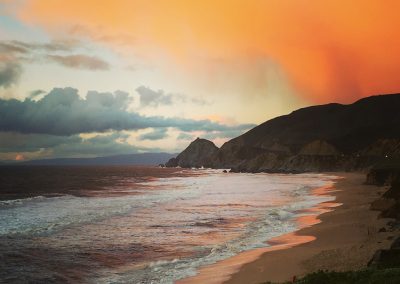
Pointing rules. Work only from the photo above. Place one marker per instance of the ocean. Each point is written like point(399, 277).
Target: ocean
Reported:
point(131, 224)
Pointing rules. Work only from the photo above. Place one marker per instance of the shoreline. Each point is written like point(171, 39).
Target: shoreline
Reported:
point(341, 238)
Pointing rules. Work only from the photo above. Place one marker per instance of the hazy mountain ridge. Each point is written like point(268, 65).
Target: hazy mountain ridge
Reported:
point(317, 138)
point(129, 159)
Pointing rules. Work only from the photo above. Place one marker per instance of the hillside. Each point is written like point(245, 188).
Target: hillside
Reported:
point(319, 138)
point(198, 154)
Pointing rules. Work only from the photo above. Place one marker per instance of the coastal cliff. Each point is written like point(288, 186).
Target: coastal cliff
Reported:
point(332, 137)
point(198, 154)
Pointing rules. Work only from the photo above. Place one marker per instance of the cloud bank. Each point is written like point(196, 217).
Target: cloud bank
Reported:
point(10, 71)
point(80, 62)
point(150, 97)
point(63, 112)
point(14, 54)
point(156, 134)
point(43, 145)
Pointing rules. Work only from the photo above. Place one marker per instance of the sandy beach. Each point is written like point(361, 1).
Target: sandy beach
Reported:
point(343, 236)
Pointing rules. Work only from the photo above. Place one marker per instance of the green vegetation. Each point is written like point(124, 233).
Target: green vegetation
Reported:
point(384, 270)
point(367, 276)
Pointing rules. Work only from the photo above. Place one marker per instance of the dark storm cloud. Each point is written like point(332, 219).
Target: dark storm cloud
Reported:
point(156, 134)
point(36, 93)
point(10, 72)
point(150, 97)
point(63, 112)
point(100, 145)
point(9, 47)
point(10, 63)
point(15, 46)
point(66, 146)
point(14, 54)
point(57, 45)
point(185, 136)
point(80, 61)
point(16, 142)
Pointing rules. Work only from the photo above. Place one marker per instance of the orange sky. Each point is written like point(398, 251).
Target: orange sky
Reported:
point(330, 50)
point(235, 62)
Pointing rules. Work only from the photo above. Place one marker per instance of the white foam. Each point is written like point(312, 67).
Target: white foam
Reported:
point(273, 222)
point(44, 215)
point(272, 199)
point(16, 202)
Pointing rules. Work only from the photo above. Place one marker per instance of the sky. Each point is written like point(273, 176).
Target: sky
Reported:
point(94, 78)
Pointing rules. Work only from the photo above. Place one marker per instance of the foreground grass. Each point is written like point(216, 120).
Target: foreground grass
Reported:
point(383, 270)
point(367, 276)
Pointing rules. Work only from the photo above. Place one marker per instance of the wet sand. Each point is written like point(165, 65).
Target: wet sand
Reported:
point(341, 239)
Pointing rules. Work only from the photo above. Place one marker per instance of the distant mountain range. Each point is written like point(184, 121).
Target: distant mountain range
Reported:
point(317, 138)
point(131, 159)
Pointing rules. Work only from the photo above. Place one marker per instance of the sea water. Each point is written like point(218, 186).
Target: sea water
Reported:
point(142, 225)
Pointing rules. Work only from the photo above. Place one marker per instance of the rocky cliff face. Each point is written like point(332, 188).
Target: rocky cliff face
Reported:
point(384, 173)
point(198, 154)
point(320, 138)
